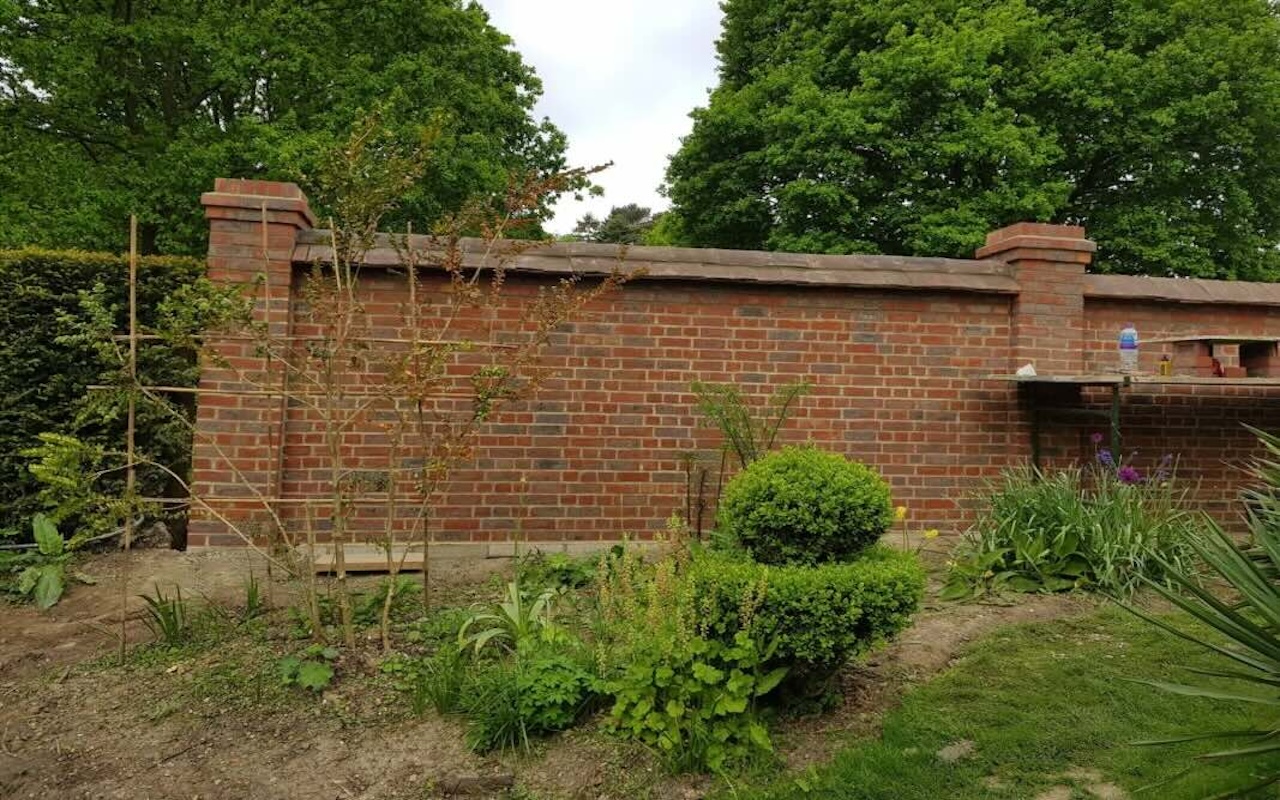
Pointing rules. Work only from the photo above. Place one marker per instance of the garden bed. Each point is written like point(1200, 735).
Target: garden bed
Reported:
point(214, 721)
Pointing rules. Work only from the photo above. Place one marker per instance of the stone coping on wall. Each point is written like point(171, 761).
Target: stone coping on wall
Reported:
point(697, 264)
point(1180, 290)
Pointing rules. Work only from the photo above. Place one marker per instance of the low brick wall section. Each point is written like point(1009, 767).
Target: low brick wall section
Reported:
point(900, 353)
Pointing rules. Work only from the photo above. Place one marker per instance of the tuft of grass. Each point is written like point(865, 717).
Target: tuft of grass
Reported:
point(1038, 702)
point(167, 617)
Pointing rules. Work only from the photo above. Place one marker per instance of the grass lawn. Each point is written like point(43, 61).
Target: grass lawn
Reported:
point(1045, 705)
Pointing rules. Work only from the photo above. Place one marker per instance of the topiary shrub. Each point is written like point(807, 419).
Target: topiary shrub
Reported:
point(804, 505)
point(815, 618)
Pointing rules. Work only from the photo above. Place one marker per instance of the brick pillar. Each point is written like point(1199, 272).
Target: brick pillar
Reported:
point(237, 442)
point(1048, 261)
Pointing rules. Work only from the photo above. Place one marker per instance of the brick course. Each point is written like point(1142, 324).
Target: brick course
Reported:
point(898, 351)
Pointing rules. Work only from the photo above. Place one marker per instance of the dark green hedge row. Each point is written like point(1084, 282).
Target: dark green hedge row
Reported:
point(43, 381)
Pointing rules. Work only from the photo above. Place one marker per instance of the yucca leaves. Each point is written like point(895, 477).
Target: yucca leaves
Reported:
point(1249, 621)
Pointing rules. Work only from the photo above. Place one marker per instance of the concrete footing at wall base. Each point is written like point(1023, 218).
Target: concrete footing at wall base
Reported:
point(373, 558)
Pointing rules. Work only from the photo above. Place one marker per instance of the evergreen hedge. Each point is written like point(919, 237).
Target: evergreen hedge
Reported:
point(43, 375)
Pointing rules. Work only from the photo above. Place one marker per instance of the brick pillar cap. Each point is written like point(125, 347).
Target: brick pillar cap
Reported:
point(252, 195)
point(1031, 236)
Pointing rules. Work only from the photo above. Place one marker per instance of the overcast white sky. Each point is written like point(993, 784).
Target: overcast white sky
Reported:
point(619, 78)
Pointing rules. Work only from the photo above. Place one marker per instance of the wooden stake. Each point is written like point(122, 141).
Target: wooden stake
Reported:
point(130, 471)
point(276, 432)
point(424, 512)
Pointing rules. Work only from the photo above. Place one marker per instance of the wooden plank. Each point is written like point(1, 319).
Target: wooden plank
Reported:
point(1077, 380)
point(1116, 380)
point(1177, 380)
point(1214, 339)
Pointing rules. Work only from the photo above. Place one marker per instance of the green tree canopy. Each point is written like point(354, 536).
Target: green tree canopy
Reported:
point(628, 224)
point(917, 126)
point(109, 107)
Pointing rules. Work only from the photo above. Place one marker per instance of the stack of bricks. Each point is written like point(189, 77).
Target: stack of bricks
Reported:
point(1260, 360)
point(1193, 359)
point(1206, 360)
point(1228, 356)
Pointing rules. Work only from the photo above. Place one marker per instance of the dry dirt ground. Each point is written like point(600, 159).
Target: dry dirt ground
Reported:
point(72, 726)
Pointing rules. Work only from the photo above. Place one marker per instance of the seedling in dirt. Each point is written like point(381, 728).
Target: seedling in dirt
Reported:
point(254, 604)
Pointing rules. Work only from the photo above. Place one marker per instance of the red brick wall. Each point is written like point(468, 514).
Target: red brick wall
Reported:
point(1201, 426)
point(597, 454)
point(897, 351)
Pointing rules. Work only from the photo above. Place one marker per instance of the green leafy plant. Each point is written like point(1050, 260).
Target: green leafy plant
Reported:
point(804, 505)
point(694, 700)
point(436, 681)
point(1104, 527)
point(538, 571)
point(510, 701)
point(312, 669)
point(514, 621)
point(45, 580)
point(438, 628)
point(675, 687)
point(748, 433)
point(405, 598)
point(167, 617)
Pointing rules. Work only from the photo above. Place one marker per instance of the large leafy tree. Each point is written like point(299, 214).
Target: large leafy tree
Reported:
point(916, 126)
point(109, 107)
point(627, 224)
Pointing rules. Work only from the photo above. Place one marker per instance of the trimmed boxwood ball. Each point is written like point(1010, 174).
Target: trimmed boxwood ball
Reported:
point(804, 505)
point(815, 618)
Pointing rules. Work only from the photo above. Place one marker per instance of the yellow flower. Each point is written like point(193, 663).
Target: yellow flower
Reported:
point(900, 513)
point(932, 533)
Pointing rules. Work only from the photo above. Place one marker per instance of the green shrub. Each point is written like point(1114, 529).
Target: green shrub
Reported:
point(438, 628)
point(660, 626)
point(434, 682)
point(47, 366)
point(694, 700)
point(804, 505)
point(507, 702)
point(538, 570)
point(1103, 528)
point(816, 617)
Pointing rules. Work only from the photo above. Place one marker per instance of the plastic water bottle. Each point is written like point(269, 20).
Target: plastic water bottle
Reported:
point(1129, 349)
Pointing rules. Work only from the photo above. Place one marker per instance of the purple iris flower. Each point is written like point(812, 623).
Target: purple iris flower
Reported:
point(1128, 474)
point(1105, 458)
